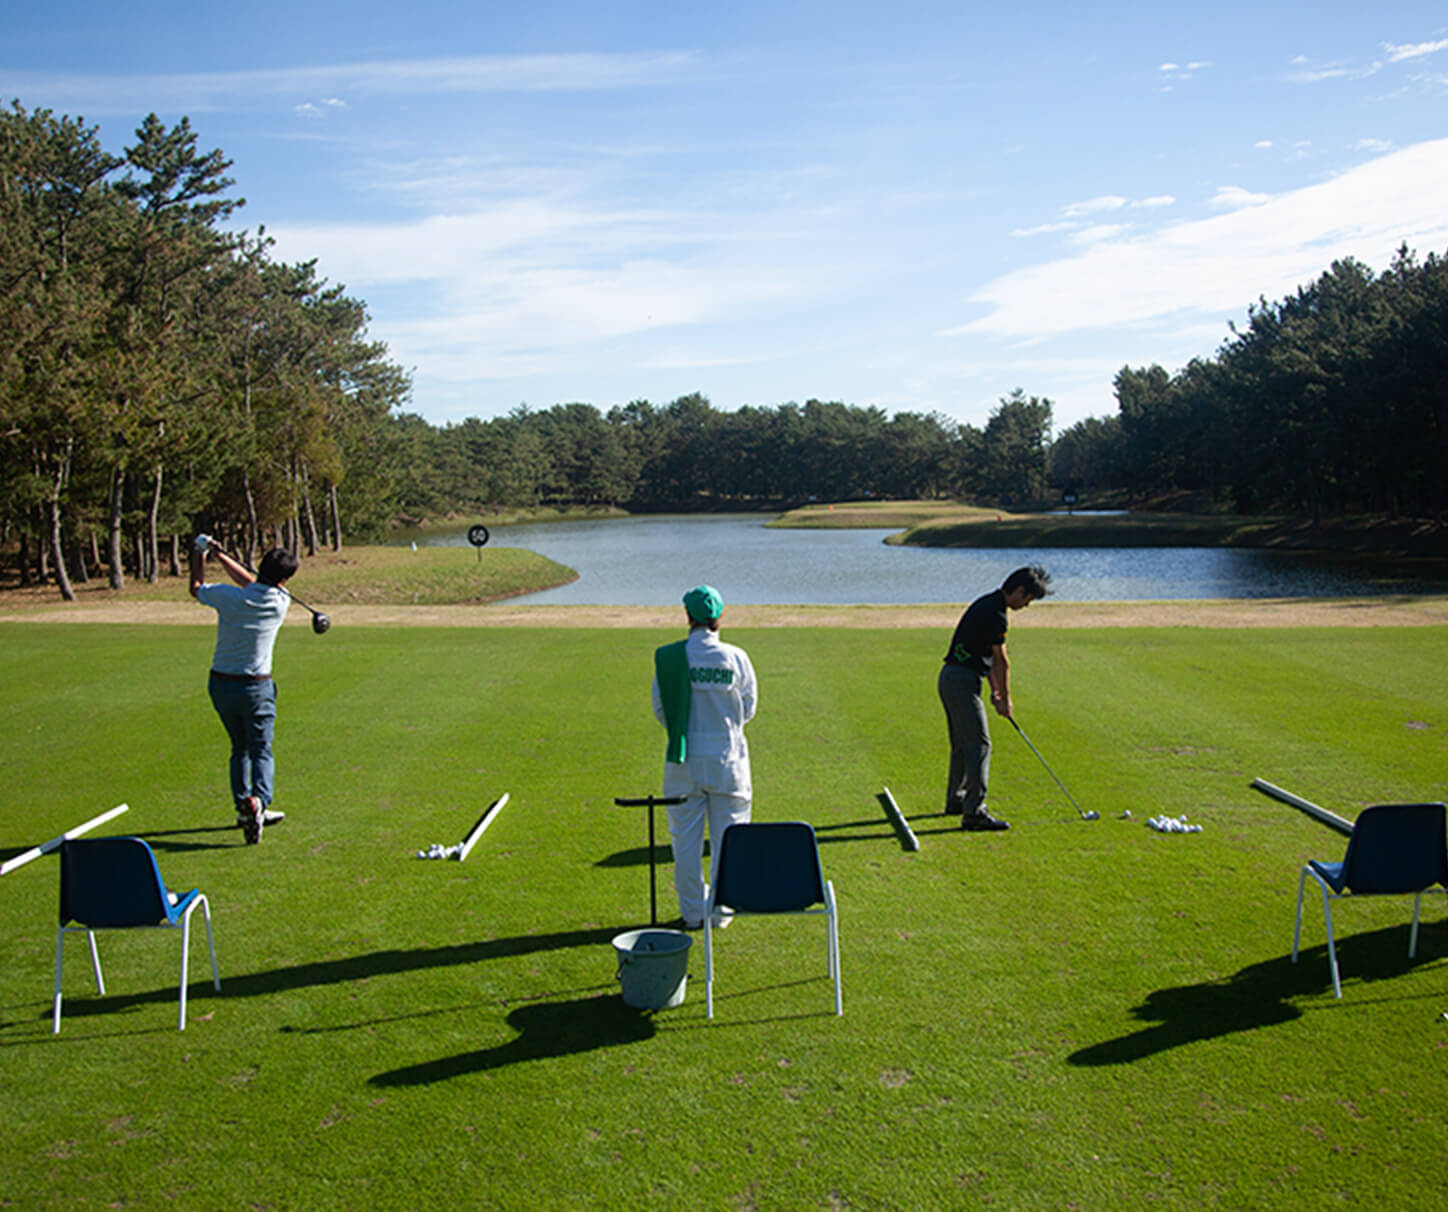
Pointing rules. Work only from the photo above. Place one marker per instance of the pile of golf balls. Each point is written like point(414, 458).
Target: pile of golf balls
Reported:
point(438, 851)
point(1173, 824)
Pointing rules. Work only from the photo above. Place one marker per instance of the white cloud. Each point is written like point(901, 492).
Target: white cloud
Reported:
point(319, 109)
point(1377, 146)
point(534, 287)
point(1094, 206)
point(1154, 202)
point(1234, 197)
point(200, 92)
point(1176, 71)
point(1263, 144)
point(1190, 272)
point(1098, 232)
point(1042, 229)
point(1331, 71)
point(1414, 50)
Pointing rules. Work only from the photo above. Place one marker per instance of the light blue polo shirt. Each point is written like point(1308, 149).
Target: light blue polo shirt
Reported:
point(247, 621)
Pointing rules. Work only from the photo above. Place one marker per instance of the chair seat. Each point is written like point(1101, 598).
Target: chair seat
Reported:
point(182, 903)
point(1331, 872)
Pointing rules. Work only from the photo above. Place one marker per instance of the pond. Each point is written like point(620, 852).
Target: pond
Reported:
point(650, 560)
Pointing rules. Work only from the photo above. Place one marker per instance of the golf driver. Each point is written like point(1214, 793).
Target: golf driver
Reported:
point(320, 622)
point(1085, 816)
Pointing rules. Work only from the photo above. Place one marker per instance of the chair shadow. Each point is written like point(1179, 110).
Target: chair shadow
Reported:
point(545, 1030)
point(1262, 995)
point(350, 968)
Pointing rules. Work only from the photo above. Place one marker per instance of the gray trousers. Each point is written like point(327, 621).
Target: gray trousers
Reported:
point(965, 717)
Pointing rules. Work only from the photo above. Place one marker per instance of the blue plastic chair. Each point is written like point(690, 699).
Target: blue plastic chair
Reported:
point(1395, 849)
point(771, 868)
point(113, 883)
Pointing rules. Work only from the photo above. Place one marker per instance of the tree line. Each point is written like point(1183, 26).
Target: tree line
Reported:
point(160, 373)
point(1329, 402)
point(688, 455)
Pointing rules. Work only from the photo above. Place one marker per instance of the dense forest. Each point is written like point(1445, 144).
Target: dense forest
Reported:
point(161, 372)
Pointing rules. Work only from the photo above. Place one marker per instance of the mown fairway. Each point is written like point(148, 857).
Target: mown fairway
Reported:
point(1072, 1014)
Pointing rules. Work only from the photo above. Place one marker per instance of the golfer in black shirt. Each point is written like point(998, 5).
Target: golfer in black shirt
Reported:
point(978, 650)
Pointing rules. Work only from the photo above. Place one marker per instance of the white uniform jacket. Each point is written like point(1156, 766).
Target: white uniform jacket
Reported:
point(721, 701)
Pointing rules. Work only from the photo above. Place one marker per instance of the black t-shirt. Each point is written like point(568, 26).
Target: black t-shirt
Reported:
point(980, 629)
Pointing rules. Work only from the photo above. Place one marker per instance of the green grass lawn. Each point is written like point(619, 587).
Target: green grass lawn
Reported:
point(1071, 1015)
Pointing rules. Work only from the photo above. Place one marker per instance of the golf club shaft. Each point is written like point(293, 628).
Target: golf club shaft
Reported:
point(1049, 771)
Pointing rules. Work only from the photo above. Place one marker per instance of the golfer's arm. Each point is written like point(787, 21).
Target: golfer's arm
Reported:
point(198, 571)
point(234, 570)
point(1000, 674)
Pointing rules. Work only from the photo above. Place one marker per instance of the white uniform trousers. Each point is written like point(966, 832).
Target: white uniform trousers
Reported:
point(717, 809)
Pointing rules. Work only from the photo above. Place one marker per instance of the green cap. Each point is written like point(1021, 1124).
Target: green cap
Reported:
point(703, 603)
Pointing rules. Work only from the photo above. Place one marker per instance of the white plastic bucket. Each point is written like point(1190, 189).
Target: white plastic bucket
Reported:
point(653, 966)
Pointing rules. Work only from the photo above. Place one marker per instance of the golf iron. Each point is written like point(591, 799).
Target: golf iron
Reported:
point(320, 622)
point(1085, 816)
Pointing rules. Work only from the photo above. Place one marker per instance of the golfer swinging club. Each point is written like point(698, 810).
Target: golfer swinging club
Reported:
point(249, 613)
point(978, 650)
point(704, 693)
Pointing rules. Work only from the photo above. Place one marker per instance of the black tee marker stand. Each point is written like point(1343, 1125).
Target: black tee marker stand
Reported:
point(478, 536)
point(651, 802)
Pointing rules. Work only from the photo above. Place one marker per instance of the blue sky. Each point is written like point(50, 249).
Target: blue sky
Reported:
point(920, 206)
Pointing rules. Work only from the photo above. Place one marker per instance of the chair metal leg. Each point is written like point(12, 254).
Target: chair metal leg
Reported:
point(211, 946)
point(835, 965)
point(185, 957)
point(1331, 945)
point(96, 962)
point(1297, 930)
point(1413, 935)
point(55, 1010)
point(708, 962)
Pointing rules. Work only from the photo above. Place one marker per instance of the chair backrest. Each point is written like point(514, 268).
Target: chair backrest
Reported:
point(111, 882)
point(769, 867)
point(1396, 848)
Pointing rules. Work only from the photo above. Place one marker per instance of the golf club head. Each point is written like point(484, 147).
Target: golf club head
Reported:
point(320, 622)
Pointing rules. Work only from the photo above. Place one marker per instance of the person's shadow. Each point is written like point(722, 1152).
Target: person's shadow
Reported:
point(1262, 995)
point(545, 1029)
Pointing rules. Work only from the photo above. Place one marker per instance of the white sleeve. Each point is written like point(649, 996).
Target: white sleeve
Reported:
point(748, 689)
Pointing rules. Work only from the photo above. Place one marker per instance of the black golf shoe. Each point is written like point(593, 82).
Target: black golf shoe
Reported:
point(982, 822)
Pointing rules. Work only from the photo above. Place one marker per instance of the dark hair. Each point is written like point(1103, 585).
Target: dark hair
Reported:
point(711, 624)
point(277, 565)
point(1034, 579)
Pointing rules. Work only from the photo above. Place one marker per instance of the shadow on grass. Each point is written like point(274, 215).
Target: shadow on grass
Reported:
point(545, 1029)
point(878, 829)
point(9, 852)
point(349, 968)
point(180, 847)
point(1262, 995)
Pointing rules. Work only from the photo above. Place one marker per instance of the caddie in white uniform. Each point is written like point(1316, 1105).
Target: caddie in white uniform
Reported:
point(704, 693)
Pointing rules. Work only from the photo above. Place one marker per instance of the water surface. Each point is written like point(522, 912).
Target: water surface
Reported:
point(650, 560)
